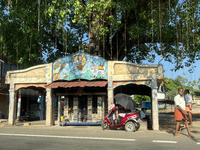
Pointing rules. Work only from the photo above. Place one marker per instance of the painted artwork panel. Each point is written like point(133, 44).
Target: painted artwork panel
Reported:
point(80, 66)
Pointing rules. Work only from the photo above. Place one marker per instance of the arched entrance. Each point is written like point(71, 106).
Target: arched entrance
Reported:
point(30, 102)
point(130, 78)
point(132, 88)
point(35, 78)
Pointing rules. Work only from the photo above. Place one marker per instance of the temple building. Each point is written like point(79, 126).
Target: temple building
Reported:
point(82, 87)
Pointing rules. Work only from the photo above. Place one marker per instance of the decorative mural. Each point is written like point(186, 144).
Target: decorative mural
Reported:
point(80, 66)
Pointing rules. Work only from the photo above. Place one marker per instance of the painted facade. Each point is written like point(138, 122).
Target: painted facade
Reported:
point(81, 66)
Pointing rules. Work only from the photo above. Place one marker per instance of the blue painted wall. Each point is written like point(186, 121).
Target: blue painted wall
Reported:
point(80, 66)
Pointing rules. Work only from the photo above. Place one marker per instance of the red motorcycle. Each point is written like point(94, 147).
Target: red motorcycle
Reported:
point(122, 115)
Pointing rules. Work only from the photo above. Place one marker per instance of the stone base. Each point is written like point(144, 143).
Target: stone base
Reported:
point(143, 125)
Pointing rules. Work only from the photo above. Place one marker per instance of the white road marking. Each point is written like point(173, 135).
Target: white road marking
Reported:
point(68, 137)
point(157, 141)
point(198, 143)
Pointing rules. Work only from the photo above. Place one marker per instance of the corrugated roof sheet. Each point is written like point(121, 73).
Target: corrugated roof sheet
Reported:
point(77, 84)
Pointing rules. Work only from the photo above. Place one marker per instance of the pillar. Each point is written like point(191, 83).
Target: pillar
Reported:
point(155, 119)
point(99, 108)
point(12, 105)
point(89, 108)
point(42, 112)
point(75, 108)
point(103, 107)
point(59, 110)
point(110, 95)
point(49, 107)
point(110, 99)
point(19, 105)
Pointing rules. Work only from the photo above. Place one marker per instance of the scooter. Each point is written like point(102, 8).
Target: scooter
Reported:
point(129, 120)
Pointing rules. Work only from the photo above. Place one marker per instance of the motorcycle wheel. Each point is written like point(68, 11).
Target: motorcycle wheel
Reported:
point(130, 127)
point(104, 126)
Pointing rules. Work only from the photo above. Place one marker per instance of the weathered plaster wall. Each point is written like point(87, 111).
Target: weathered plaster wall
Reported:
point(125, 71)
point(35, 74)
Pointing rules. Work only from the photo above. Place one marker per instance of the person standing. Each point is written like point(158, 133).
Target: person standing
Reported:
point(180, 113)
point(188, 101)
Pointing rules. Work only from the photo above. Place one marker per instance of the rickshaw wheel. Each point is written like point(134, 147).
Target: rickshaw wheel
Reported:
point(130, 127)
point(104, 126)
point(137, 126)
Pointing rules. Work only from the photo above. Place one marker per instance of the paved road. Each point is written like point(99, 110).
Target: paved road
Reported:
point(92, 138)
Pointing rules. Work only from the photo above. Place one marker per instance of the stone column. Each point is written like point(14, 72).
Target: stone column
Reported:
point(19, 105)
point(110, 99)
point(99, 108)
point(155, 120)
point(66, 108)
point(49, 107)
point(110, 95)
point(75, 108)
point(12, 105)
point(89, 108)
point(59, 110)
point(103, 107)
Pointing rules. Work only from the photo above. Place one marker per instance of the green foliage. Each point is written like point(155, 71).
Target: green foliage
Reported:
point(180, 81)
point(171, 86)
point(40, 31)
point(140, 98)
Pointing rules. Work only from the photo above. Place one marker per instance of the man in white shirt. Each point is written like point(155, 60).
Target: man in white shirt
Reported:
point(188, 101)
point(143, 114)
point(180, 113)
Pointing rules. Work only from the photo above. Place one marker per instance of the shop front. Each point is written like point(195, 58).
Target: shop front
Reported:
point(80, 80)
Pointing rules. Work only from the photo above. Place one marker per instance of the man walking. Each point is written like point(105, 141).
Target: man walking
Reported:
point(188, 101)
point(180, 113)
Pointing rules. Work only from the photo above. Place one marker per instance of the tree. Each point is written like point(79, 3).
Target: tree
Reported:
point(180, 81)
point(171, 89)
point(140, 98)
point(138, 29)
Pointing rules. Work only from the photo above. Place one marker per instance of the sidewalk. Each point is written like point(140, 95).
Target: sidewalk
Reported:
point(166, 122)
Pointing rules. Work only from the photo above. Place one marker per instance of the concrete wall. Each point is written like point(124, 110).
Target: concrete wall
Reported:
point(4, 104)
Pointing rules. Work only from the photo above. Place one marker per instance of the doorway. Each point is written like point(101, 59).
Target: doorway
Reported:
point(82, 106)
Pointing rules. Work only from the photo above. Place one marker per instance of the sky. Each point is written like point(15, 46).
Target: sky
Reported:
point(167, 66)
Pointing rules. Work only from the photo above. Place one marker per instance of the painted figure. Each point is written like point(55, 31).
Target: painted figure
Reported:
point(98, 69)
